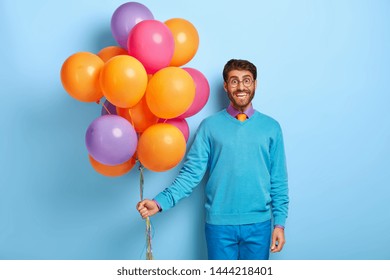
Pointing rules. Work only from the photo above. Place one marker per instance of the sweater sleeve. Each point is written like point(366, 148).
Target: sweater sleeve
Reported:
point(279, 180)
point(191, 173)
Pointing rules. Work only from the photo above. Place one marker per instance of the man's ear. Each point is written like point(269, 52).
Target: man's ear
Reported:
point(225, 86)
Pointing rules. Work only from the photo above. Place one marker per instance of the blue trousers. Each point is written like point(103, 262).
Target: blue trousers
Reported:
point(240, 242)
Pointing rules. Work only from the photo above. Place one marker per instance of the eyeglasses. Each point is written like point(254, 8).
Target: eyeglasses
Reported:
point(234, 82)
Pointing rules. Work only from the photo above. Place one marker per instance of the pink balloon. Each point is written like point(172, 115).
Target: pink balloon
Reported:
point(152, 43)
point(202, 92)
point(180, 124)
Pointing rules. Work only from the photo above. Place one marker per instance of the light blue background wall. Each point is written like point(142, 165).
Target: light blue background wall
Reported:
point(324, 74)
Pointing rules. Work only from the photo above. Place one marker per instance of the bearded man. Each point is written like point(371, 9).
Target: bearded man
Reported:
point(247, 187)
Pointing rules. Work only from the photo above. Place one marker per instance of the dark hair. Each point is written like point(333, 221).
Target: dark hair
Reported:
point(239, 64)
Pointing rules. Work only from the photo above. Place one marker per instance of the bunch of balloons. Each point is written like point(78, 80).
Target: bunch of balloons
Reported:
point(148, 93)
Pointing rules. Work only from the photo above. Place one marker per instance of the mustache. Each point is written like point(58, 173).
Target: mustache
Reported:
point(244, 91)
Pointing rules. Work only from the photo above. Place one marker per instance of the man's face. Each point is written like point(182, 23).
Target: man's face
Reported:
point(240, 87)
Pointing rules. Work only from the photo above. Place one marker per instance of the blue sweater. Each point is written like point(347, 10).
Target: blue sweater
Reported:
point(247, 180)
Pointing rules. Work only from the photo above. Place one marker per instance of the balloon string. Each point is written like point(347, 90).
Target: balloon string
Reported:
point(149, 253)
point(148, 233)
point(104, 106)
point(141, 181)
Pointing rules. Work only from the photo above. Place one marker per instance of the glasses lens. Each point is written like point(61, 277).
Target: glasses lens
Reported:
point(247, 82)
point(234, 82)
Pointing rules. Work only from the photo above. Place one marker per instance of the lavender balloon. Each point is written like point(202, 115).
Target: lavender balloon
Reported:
point(111, 140)
point(125, 18)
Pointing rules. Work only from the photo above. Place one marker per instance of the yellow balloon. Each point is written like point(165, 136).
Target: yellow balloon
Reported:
point(170, 92)
point(123, 80)
point(161, 147)
point(186, 40)
point(80, 76)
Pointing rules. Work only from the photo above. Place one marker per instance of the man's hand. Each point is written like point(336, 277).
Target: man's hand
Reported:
point(147, 208)
point(278, 240)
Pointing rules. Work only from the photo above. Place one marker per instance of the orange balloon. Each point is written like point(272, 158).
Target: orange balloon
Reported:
point(186, 40)
point(80, 76)
point(139, 116)
point(161, 147)
point(124, 113)
point(114, 170)
point(123, 80)
point(170, 92)
point(142, 116)
point(109, 52)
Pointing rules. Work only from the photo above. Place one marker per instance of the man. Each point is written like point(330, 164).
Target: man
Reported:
point(247, 188)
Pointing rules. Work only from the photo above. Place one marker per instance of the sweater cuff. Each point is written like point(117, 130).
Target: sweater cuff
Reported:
point(280, 220)
point(161, 200)
point(278, 226)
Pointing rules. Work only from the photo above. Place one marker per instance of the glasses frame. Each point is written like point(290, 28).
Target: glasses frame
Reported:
point(240, 81)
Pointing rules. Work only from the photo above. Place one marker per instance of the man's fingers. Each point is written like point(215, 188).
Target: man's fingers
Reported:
point(273, 245)
point(140, 205)
point(144, 213)
point(146, 208)
point(276, 246)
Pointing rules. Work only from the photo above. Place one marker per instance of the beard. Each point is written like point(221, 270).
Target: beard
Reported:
point(241, 99)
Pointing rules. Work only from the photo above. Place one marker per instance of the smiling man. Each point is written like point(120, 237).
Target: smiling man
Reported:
point(246, 191)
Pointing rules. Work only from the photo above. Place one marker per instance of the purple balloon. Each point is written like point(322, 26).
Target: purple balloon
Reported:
point(111, 109)
point(125, 18)
point(111, 140)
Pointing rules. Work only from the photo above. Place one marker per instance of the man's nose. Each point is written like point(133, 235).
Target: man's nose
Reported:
point(240, 85)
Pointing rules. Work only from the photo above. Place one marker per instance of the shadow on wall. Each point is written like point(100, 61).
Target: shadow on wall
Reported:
point(103, 38)
point(222, 100)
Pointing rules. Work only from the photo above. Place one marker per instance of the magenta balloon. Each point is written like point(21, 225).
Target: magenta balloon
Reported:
point(202, 92)
point(111, 140)
point(152, 43)
point(180, 124)
point(111, 109)
point(125, 18)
